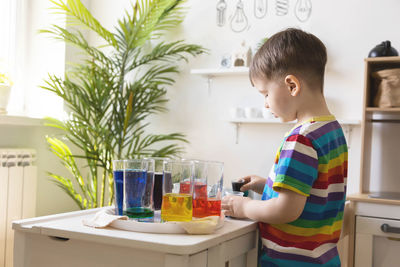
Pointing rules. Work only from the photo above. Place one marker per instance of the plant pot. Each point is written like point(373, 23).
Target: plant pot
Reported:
point(5, 90)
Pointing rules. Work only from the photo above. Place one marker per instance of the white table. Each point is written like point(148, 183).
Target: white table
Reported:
point(62, 240)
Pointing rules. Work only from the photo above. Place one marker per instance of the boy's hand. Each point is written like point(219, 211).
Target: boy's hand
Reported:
point(234, 206)
point(253, 182)
point(268, 211)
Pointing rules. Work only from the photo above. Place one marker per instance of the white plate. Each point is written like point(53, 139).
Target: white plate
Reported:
point(161, 227)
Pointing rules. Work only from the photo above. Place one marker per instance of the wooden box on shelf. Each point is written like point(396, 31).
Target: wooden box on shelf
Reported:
point(372, 116)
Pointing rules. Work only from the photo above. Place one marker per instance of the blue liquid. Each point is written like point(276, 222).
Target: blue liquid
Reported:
point(139, 213)
point(138, 193)
point(119, 191)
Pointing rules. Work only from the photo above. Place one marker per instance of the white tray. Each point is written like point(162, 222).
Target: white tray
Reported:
point(196, 226)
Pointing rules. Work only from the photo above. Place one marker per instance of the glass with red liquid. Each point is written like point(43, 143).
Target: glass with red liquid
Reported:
point(207, 189)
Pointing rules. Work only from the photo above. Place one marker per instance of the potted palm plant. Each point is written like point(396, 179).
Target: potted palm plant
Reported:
point(110, 95)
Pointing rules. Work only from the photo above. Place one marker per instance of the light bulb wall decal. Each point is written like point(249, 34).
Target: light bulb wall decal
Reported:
point(239, 20)
point(303, 10)
point(282, 7)
point(260, 8)
point(221, 10)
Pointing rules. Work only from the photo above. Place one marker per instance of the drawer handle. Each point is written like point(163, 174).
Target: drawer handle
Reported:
point(388, 229)
point(59, 238)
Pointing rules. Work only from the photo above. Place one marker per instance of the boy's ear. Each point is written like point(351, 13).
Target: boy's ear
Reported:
point(293, 84)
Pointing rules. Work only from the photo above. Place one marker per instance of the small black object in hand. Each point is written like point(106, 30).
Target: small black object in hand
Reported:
point(237, 185)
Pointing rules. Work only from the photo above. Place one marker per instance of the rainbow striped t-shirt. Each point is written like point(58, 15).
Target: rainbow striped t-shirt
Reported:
point(312, 161)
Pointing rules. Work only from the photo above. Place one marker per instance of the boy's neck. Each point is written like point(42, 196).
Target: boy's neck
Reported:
point(312, 106)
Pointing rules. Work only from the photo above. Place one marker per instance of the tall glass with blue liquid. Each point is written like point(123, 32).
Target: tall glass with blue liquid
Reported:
point(138, 188)
point(118, 174)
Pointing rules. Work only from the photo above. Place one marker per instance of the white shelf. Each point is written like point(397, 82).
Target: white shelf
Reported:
point(266, 121)
point(221, 71)
point(20, 121)
point(347, 125)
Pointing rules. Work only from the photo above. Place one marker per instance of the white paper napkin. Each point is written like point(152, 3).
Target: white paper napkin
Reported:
point(102, 219)
point(200, 226)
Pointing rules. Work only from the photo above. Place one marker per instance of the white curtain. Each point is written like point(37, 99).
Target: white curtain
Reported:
point(29, 57)
point(12, 49)
point(7, 35)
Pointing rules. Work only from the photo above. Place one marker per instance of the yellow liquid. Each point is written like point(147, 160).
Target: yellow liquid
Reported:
point(176, 207)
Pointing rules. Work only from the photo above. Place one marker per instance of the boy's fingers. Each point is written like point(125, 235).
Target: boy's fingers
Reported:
point(225, 206)
point(244, 188)
point(247, 185)
point(227, 213)
point(227, 209)
point(246, 178)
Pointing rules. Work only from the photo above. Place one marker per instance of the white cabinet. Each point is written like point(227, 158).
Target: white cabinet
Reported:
point(375, 237)
point(377, 242)
point(62, 240)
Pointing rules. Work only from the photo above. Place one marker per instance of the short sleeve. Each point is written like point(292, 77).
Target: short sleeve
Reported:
point(297, 166)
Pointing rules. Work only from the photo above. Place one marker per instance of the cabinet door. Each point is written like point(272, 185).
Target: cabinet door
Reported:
point(377, 242)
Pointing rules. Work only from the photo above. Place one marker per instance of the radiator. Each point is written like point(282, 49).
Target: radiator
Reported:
point(18, 179)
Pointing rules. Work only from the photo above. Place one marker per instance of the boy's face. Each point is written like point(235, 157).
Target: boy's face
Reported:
point(277, 97)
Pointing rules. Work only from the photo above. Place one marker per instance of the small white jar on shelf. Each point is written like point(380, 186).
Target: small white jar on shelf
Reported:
point(267, 114)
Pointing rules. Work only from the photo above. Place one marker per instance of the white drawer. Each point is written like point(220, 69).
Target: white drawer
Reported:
point(45, 251)
point(378, 226)
point(377, 242)
point(36, 250)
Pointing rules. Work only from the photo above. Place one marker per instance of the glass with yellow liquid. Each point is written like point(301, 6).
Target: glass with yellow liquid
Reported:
point(177, 191)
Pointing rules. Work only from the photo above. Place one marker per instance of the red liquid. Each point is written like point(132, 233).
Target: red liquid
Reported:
point(200, 190)
point(206, 207)
point(184, 187)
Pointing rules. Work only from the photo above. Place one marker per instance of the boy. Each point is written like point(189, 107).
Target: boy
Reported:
point(300, 214)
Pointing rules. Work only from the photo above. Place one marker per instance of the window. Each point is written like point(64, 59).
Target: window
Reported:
point(29, 57)
point(8, 30)
point(7, 33)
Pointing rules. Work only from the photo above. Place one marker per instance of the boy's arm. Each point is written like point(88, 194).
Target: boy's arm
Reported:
point(286, 208)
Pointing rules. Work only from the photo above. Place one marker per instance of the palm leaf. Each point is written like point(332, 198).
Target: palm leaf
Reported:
point(77, 39)
point(79, 14)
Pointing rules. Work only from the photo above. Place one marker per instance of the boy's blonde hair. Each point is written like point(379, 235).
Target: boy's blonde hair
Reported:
point(291, 51)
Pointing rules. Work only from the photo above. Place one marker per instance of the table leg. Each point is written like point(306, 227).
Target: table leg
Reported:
point(19, 249)
point(252, 255)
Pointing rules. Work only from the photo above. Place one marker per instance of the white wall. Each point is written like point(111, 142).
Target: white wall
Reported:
point(348, 28)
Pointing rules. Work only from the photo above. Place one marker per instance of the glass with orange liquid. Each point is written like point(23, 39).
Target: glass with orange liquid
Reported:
point(177, 191)
point(207, 192)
